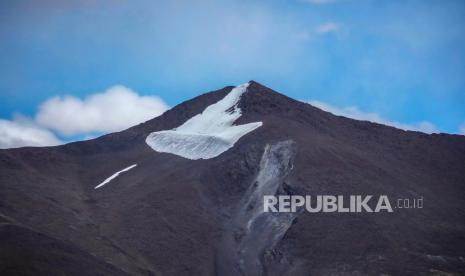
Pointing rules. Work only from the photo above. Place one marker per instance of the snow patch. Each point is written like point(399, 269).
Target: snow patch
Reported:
point(208, 134)
point(116, 174)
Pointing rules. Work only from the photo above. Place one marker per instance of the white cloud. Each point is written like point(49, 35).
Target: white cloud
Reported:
point(113, 110)
point(355, 113)
point(20, 132)
point(327, 28)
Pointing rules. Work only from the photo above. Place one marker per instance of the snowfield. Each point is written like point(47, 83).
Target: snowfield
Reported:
point(208, 134)
point(114, 176)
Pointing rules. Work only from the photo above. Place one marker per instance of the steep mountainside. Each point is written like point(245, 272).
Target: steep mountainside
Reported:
point(171, 215)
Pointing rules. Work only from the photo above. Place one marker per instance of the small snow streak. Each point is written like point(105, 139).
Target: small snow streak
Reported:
point(114, 176)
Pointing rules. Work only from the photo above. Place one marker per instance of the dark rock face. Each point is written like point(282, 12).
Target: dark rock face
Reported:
point(169, 215)
point(251, 232)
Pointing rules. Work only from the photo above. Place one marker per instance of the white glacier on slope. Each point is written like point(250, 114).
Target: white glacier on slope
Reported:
point(208, 134)
point(114, 176)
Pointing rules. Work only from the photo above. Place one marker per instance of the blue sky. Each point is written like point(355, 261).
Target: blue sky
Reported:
point(400, 61)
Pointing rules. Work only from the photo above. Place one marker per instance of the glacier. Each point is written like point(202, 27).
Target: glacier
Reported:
point(208, 134)
point(116, 174)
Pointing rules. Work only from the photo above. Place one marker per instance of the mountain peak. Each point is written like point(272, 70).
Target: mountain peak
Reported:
point(256, 86)
point(163, 193)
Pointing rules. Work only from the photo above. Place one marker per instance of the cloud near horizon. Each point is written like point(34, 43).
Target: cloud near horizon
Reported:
point(354, 112)
point(21, 133)
point(115, 109)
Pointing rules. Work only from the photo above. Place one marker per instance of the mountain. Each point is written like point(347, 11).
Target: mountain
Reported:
point(181, 194)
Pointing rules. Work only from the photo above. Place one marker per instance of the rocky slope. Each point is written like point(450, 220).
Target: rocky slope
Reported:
point(175, 216)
